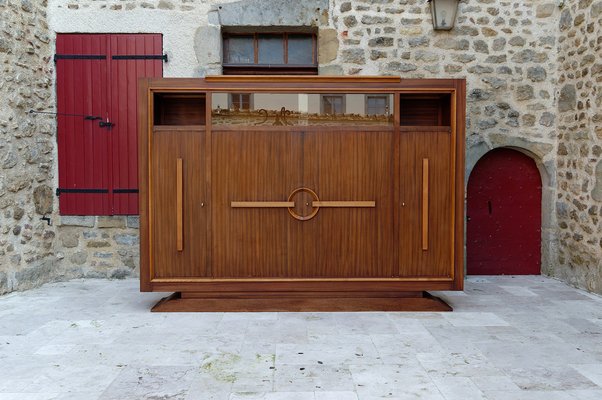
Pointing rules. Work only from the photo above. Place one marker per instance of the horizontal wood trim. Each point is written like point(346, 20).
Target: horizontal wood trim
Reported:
point(313, 79)
point(299, 280)
point(262, 204)
point(302, 128)
point(419, 128)
point(171, 128)
point(409, 284)
point(299, 295)
point(247, 88)
point(343, 204)
point(309, 84)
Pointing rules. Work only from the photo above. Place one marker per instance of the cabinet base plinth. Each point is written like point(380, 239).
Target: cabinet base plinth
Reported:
point(300, 302)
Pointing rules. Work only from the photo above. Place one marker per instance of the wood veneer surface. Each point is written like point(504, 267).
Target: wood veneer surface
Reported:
point(340, 248)
point(167, 148)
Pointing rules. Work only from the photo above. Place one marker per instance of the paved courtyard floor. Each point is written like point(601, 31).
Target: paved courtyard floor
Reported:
point(523, 338)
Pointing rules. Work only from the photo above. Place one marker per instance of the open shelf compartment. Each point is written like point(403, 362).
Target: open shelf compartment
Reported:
point(425, 109)
point(179, 109)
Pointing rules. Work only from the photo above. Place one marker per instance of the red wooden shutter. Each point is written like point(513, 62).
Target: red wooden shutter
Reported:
point(82, 89)
point(97, 75)
point(128, 64)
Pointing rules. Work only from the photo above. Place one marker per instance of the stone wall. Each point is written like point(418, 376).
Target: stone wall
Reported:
point(27, 147)
point(531, 69)
point(579, 159)
point(506, 50)
point(99, 247)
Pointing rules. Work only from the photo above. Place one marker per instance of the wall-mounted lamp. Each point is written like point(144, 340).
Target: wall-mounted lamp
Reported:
point(444, 13)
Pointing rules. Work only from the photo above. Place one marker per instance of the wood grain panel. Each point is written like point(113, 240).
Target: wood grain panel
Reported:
point(436, 259)
point(253, 166)
point(346, 166)
point(165, 233)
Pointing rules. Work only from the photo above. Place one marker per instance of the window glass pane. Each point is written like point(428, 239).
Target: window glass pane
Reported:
point(300, 49)
point(270, 49)
point(290, 109)
point(377, 105)
point(332, 104)
point(240, 101)
point(240, 50)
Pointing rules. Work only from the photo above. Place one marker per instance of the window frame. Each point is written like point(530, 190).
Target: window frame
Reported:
point(231, 102)
point(256, 68)
point(343, 102)
point(387, 103)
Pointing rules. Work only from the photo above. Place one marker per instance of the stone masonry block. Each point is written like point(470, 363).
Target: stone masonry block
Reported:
point(328, 45)
point(77, 220)
point(111, 222)
point(133, 221)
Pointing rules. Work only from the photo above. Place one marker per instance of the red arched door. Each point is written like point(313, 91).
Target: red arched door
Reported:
point(503, 232)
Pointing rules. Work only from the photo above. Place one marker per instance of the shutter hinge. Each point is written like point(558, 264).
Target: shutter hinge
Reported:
point(72, 190)
point(79, 57)
point(141, 57)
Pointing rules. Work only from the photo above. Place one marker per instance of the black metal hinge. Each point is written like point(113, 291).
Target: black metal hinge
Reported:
point(70, 190)
point(125, 190)
point(79, 57)
point(89, 191)
point(141, 57)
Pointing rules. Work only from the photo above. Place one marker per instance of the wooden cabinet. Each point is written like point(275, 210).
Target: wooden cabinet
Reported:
point(323, 194)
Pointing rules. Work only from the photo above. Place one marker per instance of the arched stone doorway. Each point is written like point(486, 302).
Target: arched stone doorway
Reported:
point(503, 229)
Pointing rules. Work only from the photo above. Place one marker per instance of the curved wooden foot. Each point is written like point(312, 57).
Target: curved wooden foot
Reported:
point(300, 302)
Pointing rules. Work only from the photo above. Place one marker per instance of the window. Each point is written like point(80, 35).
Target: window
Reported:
point(270, 53)
point(96, 91)
point(377, 105)
point(332, 104)
point(240, 101)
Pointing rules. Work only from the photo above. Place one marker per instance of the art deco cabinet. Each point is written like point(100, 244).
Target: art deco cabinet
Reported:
point(301, 193)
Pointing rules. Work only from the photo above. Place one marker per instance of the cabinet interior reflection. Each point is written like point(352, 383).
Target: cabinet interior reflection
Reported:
point(301, 108)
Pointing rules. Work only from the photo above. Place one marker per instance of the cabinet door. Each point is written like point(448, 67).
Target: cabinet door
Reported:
point(254, 171)
point(348, 237)
point(178, 209)
point(426, 207)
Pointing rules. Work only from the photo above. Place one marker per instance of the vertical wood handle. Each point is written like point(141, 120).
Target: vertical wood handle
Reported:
point(425, 204)
point(179, 210)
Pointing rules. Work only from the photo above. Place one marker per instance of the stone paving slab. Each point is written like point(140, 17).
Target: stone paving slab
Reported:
point(509, 338)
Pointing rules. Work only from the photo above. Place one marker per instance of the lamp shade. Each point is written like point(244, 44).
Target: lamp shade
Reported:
point(444, 13)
